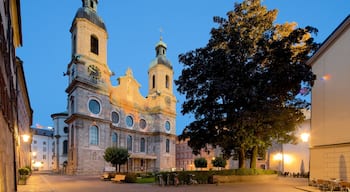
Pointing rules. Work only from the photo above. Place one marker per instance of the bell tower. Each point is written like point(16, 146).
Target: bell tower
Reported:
point(160, 72)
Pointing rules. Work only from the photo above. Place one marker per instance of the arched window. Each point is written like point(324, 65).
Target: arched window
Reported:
point(115, 117)
point(114, 139)
point(153, 81)
point(93, 135)
point(129, 143)
point(94, 44)
point(167, 145)
point(71, 136)
point(142, 145)
point(167, 81)
point(72, 105)
point(65, 147)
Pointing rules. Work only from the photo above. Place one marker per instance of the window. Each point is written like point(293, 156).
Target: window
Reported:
point(94, 106)
point(142, 145)
point(153, 81)
point(129, 121)
point(93, 135)
point(167, 146)
point(72, 105)
point(94, 44)
point(129, 143)
point(167, 81)
point(34, 142)
point(72, 136)
point(167, 125)
point(65, 129)
point(114, 139)
point(115, 117)
point(143, 123)
point(65, 147)
point(44, 156)
point(44, 142)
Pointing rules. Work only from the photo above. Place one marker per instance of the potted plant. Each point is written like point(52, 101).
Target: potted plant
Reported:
point(23, 175)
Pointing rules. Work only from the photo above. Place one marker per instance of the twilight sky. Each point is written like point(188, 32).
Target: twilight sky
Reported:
point(133, 28)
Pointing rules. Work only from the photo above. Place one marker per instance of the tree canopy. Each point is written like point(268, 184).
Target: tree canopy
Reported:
point(116, 156)
point(243, 86)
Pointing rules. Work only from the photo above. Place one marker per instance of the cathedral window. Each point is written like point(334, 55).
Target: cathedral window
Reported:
point(153, 81)
point(115, 117)
point(142, 145)
point(72, 136)
point(129, 143)
point(114, 139)
point(167, 145)
point(94, 44)
point(167, 126)
point(129, 121)
point(167, 81)
point(93, 135)
point(143, 123)
point(65, 147)
point(94, 106)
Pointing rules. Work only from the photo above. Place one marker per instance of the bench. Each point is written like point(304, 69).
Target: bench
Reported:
point(118, 178)
point(106, 176)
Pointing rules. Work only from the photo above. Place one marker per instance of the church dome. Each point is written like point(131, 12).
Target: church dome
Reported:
point(91, 15)
point(161, 56)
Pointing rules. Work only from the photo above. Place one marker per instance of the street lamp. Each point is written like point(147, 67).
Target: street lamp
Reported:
point(305, 137)
point(25, 138)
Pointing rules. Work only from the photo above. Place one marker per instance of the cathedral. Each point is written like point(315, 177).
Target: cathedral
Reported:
point(102, 115)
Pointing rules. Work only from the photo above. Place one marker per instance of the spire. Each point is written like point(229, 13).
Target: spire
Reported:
point(92, 4)
point(161, 46)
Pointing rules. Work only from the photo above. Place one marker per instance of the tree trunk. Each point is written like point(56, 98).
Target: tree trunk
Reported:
point(254, 157)
point(241, 158)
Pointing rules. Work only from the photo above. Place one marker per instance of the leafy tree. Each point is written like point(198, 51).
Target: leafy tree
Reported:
point(200, 162)
point(243, 86)
point(116, 156)
point(219, 162)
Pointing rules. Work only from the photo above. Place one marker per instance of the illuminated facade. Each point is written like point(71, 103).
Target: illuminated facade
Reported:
point(43, 146)
point(101, 115)
point(330, 135)
point(16, 112)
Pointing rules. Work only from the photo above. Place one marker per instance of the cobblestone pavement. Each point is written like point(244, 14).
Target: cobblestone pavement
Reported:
point(63, 183)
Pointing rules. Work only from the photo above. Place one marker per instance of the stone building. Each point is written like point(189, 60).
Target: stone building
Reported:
point(330, 135)
point(16, 112)
point(43, 146)
point(101, 115)
point(60, 137)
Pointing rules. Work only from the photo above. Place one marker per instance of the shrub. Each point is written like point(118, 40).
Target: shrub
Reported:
point(130, 178)
point(23, 171)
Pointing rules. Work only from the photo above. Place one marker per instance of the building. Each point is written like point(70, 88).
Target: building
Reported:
point(16, 113)
point(101, 115)
point(42, 149)
point(330, 135)
point(60, 137)
point(292, 158)
point(185, 158)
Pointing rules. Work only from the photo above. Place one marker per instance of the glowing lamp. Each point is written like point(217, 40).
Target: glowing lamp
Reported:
point(325, 77)
point(305, 137)
point(25, 138)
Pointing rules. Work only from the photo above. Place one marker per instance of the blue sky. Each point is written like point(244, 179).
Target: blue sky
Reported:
point(133, 28)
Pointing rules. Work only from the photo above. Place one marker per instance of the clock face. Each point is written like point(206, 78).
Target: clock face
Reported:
point(94, 71)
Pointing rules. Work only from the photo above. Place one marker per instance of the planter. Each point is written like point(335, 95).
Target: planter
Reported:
point(22, 179)
point(243, 178)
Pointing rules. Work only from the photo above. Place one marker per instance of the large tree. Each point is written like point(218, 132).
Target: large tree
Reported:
point(243, 86)
point(116, 156)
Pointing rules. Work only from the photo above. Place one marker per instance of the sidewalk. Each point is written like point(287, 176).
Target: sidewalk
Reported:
point(40, 182)
point(36, 183)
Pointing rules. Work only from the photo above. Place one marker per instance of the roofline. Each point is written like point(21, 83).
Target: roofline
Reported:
point(330, 39)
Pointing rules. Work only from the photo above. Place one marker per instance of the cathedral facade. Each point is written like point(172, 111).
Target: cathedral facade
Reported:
point(101, 115)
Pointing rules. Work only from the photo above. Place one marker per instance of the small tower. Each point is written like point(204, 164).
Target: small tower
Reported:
point(160, 72)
